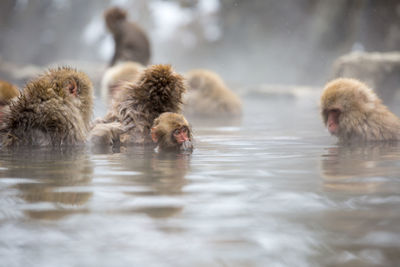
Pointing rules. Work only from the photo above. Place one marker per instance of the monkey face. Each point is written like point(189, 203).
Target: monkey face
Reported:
point(332, 120)
point(182, 137)
point(171, 132)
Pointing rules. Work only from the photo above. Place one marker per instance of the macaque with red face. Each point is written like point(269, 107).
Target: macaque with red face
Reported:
point(53, 110)
point(354, 113)
point(131, 42)
point(172, 133)
point(158, 89)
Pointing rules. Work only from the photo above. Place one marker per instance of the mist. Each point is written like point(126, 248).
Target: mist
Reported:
point(247, 42)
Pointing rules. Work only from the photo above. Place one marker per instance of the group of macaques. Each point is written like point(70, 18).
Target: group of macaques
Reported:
point(146, 103)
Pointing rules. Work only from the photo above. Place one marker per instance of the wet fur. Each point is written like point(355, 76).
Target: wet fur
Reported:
point(208, 96)
point(158, 89)
point(46, 114)
point(131, 42)
point(163, 128)
point(363, 117)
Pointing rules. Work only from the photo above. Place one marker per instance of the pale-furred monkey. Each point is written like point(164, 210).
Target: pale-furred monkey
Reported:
point(354, 113)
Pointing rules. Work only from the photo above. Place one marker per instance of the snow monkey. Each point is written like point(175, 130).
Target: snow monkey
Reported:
point(158, 89)
point(115, 77)
point(171, 132)
point(131, 42)
point(7, 92)
point(354, 113)
point(208, 96)
point(53, 110)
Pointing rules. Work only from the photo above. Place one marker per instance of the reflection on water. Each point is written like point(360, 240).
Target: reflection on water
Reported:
point(271, 189)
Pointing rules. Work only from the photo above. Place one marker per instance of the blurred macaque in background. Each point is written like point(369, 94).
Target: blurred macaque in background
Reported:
point(209, 97)
point(131, 42)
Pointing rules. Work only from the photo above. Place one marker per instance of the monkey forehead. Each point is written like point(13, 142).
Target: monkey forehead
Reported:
point(346, 91)
point(171, 120)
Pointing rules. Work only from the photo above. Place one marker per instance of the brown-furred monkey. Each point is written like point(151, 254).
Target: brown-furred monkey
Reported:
point(131, 42)
point(354, 113)
point(53, 110)
point(172, 133)
point(158, 89)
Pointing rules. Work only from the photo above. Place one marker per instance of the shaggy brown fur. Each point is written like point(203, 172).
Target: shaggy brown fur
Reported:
point(208, 96)
point(53, 110)
point(360, 114)
point(131, 42)
point(158, 89)
point(115, 77)
point(162, 132)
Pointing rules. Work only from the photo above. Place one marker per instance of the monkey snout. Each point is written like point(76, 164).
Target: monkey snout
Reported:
point(187, 146)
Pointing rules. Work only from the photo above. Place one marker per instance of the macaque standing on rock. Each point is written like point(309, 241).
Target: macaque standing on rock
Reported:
point(171, 132)
point(354, 113)
point(52, 110)
point(158, 89)
point(208, 96)
point(131, 42)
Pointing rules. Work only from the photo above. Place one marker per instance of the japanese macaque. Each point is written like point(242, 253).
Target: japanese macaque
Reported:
point(52, 110)
point(158, 89)
point(171, 132)
point(131, 42)
point(208, 96)
point(354, 113)
point(115, 77)
point(7, 92)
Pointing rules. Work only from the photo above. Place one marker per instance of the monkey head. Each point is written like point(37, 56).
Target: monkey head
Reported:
point(346, 105)
point(171, 132)
point(113, 17)
point(161, 88)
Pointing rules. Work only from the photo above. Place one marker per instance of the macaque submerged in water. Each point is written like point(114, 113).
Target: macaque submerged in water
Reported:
point(52, 110)
point(171, 132)
point(354, 113)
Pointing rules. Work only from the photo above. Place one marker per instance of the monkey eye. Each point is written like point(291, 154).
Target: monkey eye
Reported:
point(180, 130)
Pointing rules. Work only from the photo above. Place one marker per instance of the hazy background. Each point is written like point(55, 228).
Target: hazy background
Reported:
point(247, 42)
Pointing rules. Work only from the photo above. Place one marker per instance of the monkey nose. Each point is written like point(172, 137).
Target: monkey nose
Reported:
point(182, 137)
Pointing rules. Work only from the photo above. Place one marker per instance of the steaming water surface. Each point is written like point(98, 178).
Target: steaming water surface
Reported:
point(270, 190)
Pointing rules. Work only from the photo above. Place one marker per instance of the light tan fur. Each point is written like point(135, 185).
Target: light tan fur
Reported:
point(208, 96)
point(163, 128)
point(115, 77)
point(8, 91)
point(363, 117)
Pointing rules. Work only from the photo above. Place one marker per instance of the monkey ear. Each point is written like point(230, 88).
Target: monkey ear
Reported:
point(154, 136)
point(71, 87)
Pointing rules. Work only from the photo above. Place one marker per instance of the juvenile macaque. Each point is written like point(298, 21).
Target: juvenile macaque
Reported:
point(131, 42)
point(52, 110)
point(171, 132)
point(208, 96)
point(354, 113)
point(158, 89)
point(115, 77)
